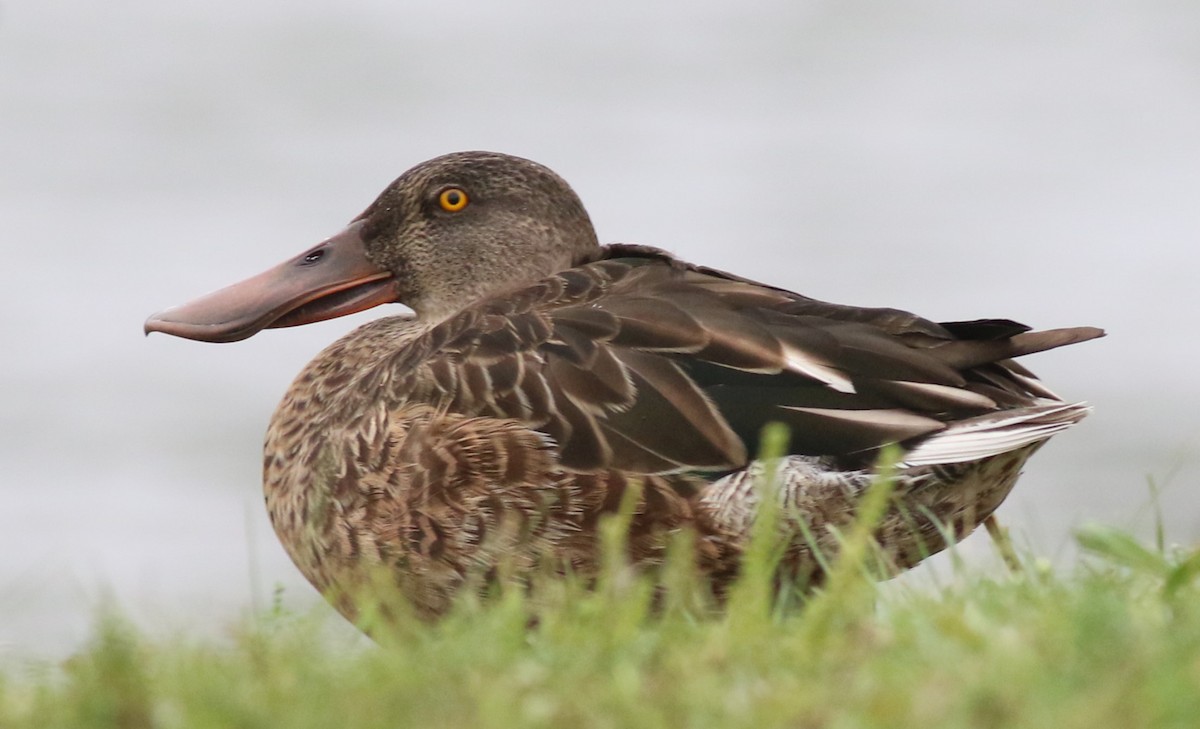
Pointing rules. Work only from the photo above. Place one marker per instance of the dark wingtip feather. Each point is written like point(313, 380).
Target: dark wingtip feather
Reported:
point(967, 353)
point(1031, 342)
point(985, 328)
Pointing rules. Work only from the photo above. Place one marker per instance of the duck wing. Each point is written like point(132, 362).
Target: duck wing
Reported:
point(641, 363)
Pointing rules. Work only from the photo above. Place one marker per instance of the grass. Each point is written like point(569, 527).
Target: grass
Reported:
point(1115, 642)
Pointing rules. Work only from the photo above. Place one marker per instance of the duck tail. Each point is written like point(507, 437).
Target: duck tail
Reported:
point(966, 353)
point(1031, 342)
point(995, 433)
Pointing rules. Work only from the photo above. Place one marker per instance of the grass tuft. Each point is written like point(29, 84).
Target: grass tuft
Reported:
point(1114, 642)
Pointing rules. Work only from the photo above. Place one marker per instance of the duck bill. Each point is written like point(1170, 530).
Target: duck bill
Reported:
point(333, 278)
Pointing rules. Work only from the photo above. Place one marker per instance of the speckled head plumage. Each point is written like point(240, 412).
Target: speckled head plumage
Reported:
point(518, 223)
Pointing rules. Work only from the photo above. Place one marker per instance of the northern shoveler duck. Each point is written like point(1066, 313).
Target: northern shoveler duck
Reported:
point(543, 373)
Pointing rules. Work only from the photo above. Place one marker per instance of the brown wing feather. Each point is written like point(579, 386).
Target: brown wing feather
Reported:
point(644, 364)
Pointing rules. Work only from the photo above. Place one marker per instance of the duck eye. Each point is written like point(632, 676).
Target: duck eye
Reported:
point(453, 199)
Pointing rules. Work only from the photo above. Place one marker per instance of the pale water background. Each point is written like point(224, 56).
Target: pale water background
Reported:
point(1032, 160)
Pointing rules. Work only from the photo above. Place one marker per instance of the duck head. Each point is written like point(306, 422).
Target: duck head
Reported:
point(446, 233)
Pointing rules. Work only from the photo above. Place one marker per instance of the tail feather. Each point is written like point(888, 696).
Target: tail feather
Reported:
point(1031, 342)
point(995, 433)
point(966, 353)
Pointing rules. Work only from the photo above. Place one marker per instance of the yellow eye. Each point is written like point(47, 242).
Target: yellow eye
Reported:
point(453, 199)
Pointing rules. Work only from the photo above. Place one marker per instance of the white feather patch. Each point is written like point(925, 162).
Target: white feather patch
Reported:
point(995, 433)
point(810, 366)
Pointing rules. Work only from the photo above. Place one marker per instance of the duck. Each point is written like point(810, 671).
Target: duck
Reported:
point(541, 382)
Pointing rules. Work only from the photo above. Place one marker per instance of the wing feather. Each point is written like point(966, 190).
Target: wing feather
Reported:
point(643, 364)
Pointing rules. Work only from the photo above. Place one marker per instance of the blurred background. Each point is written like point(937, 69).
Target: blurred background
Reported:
point(1037, 161)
